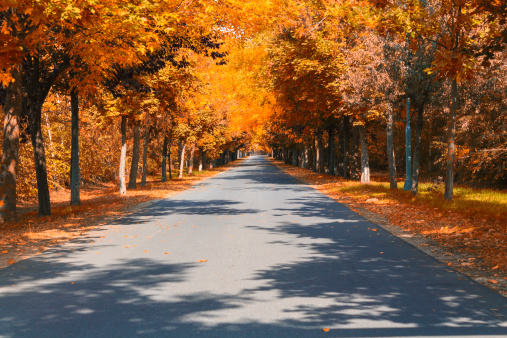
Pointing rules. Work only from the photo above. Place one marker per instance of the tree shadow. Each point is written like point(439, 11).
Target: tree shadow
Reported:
point(331, 269)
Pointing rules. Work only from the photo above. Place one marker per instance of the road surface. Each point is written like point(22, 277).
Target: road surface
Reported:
point(249, 253)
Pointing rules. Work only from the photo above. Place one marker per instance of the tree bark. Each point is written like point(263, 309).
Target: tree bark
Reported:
point(365, 162)
point(10, 156)
point(322, 158)
point(170, 161)
point(311, 156)
point(331, 151)
point(346, 145)
point(135, 156)
point(315, 155)
point(451, 150)
point(201, 157)
point(74, 150)
point(390, 149)
point(191, 162)
point(39, 160)
point(145, 151)
point(123, 155)
point(182, 160)
point(356, 156)
point(164, 159)
point(416, 154)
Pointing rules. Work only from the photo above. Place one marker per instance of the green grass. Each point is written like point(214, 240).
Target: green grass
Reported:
point(480, 203)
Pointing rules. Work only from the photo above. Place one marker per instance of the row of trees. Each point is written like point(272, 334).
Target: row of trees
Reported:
point(346, 78)
point(325, 83)
point(130, 63)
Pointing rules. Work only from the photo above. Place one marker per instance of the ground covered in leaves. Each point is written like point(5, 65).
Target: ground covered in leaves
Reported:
point(31, 235)
point(475, 244)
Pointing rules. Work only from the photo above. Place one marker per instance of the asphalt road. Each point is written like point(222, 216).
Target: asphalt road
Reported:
point(282, 260)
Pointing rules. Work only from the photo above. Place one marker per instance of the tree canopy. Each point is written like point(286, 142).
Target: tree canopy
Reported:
point(325, 85)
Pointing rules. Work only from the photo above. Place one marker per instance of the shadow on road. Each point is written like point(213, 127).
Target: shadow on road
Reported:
point(354, 278)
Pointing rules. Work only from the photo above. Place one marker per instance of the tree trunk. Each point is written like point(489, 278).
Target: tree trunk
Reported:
point(170, 162)
point(10, 156)
point(309, 164)
point(164, 159)
point(365, 162)
point(145, 151)
point(74, 150)
point(315, 156)
point(390, 149)
point(416, 155)
point(346, 146)
point(451, 133)
point(191, 162)
point(182, 160)
point(39, 160)
point(135, 156)
point(321, 157)
point(331, 151)
point(123, 155)
point(38, 77)
point(356, 156)
point(201, 158)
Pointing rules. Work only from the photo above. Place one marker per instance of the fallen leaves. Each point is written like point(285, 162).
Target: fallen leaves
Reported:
point(202, 260)
point(480, 237)
point(325, 329)
point(99, 203)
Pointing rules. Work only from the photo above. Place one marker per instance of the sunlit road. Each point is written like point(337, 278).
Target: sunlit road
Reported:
point(249, 253)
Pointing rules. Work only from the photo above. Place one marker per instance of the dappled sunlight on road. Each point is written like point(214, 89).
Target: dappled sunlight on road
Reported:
point(256, 261)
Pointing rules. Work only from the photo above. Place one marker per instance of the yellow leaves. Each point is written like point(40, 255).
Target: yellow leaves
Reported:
point(325, 329)
point(202, 260)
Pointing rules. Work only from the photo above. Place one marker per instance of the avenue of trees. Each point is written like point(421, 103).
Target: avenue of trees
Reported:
point(98, 90)
point(342, 74)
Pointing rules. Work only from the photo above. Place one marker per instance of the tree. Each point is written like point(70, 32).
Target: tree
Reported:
point(9, 168)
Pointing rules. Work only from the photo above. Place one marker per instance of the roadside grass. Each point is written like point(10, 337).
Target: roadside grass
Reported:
point(468, 202)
